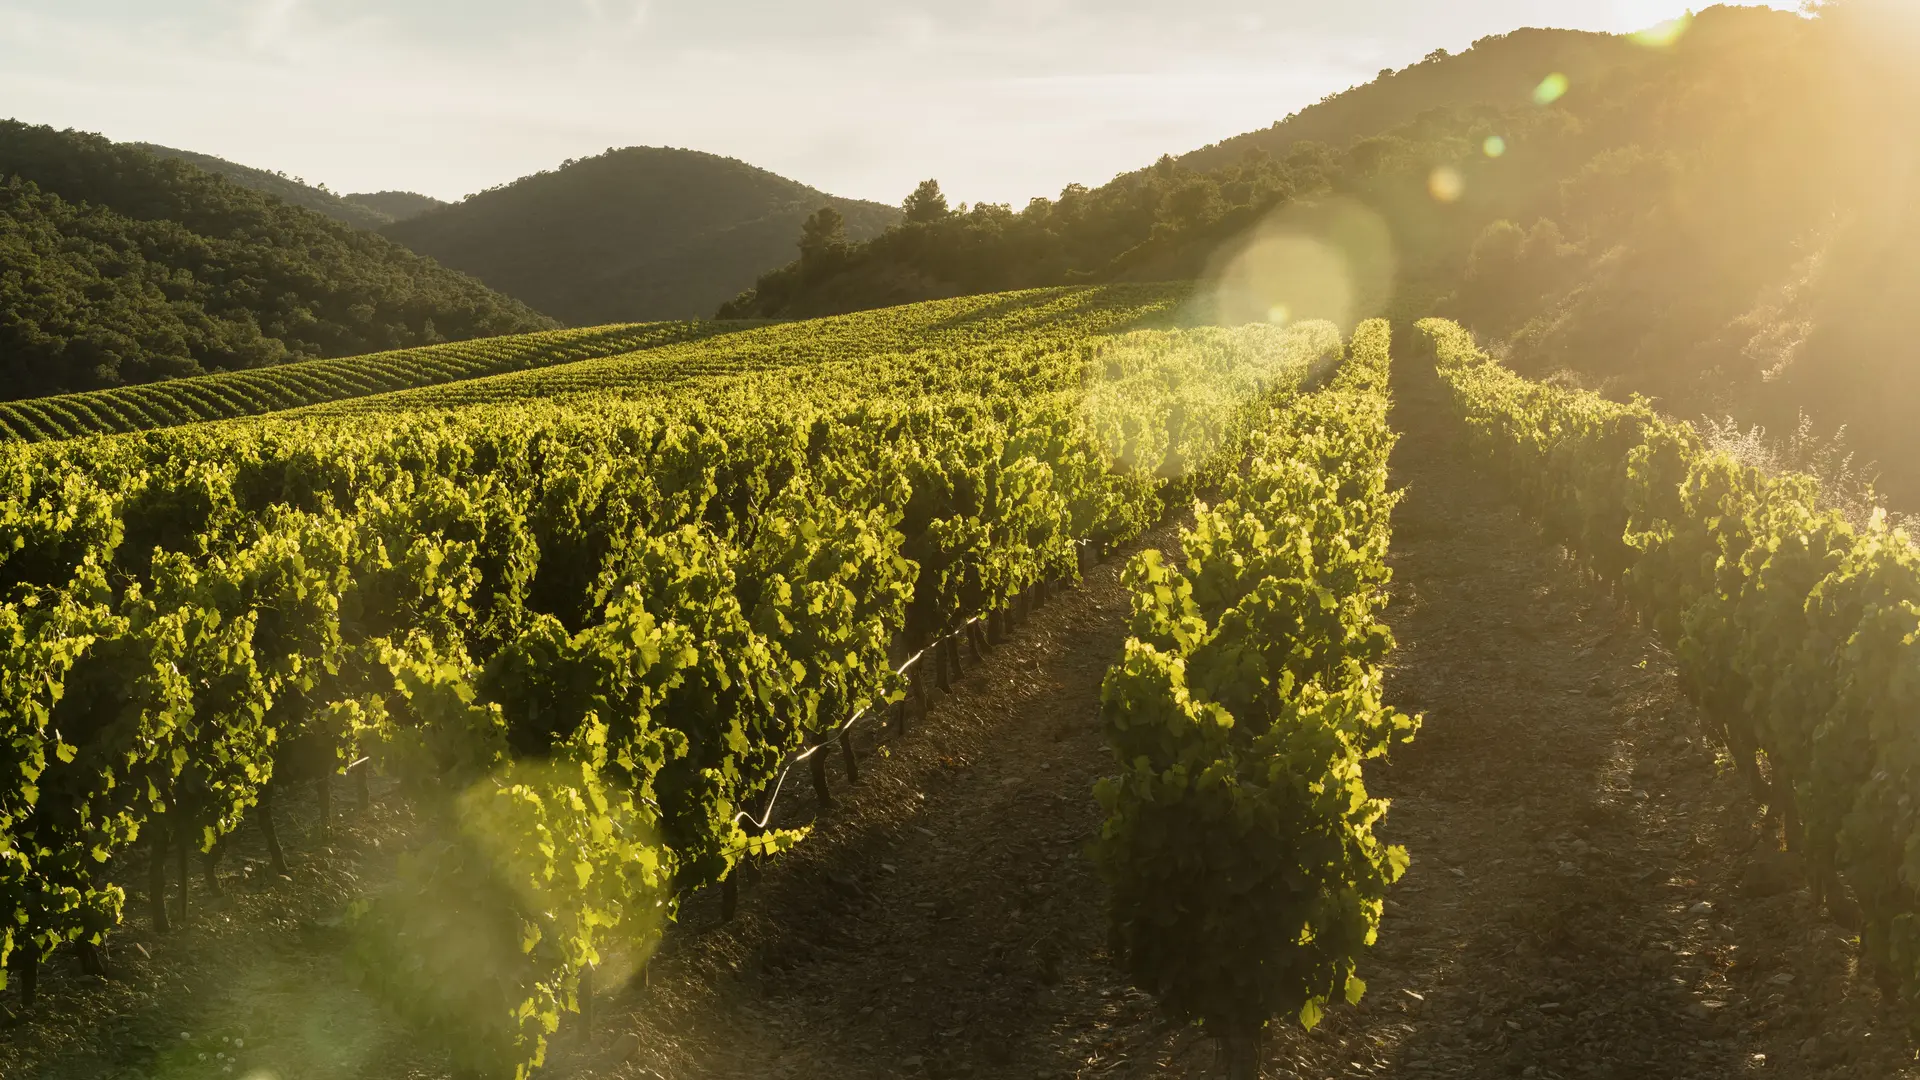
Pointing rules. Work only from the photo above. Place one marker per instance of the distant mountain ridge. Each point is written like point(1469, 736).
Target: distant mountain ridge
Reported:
point(1501, 72)
point(1719, 215)
point(120, 266)
point(1166, 221)
point(633, 234)
point(361, 211)
point(395, 205)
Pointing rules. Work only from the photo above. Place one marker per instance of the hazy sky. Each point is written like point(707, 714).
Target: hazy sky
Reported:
point(999, 99)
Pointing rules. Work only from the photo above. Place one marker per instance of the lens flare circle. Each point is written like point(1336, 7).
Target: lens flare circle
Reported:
point(1494, 147)
point(1446, 184)
point(1551, 89)
point(1333, 260)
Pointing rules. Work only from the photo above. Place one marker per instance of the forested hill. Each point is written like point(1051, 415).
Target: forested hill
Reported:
point(1167, 220)
point(364, 211)
point(1737, 237)
point(119, 266)
point(394, 205)
point(1499, 72)
point(634, 234)
point(1720, 217)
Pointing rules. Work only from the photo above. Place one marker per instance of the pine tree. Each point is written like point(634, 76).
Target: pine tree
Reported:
point(824, 233)
point(927, 203)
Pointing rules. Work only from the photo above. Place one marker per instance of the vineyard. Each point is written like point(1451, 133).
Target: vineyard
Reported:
point(310, 382)
point(625, 360)
point(583, 637)
point(591, 621)
point(1795, 630)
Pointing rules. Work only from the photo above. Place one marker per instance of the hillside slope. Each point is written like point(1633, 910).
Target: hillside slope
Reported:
point(118, 266)
point(1721, 219)
point(361, 211)
point(553, 364)
point(634, 234)
point(1377, 143)
point(228, 395)
point(1501, 72)
point(393, 205)
point(1735, 236)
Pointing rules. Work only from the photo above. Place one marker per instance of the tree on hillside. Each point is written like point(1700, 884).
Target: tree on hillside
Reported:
point(1509, 270)
point(927, 203)
point(1193, 204)
point(824, 233)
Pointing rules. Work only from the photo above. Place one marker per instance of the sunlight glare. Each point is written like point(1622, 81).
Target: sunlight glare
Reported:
point(1446, 184)
point(1495, 146)
point(1551, 89)
point(1334, 261)
point(1664, 35)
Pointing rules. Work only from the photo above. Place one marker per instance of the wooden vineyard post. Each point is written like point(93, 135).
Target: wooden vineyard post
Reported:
point(325, 791)
point(157, 877)
point(996, 627)
point(264, 813)
point(847, 756)
point(181, 851)
point(93, 958)
point(1241, 1055)
point(817, 766)
point(362, 786)
point(730, 885)
point(586, 1004)
point(939, 651)
point(975, 640)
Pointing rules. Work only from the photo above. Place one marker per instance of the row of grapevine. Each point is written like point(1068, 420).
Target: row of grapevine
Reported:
point(1797, 633)
point(582, 636)
point(973, 324)
point(224, 395)
point(636, 357)
point(583, 362)
point(1239, 843)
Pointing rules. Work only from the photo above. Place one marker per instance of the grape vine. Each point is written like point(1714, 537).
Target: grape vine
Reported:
point(582, 633)
point(1797, 632)
point(1239, 844)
